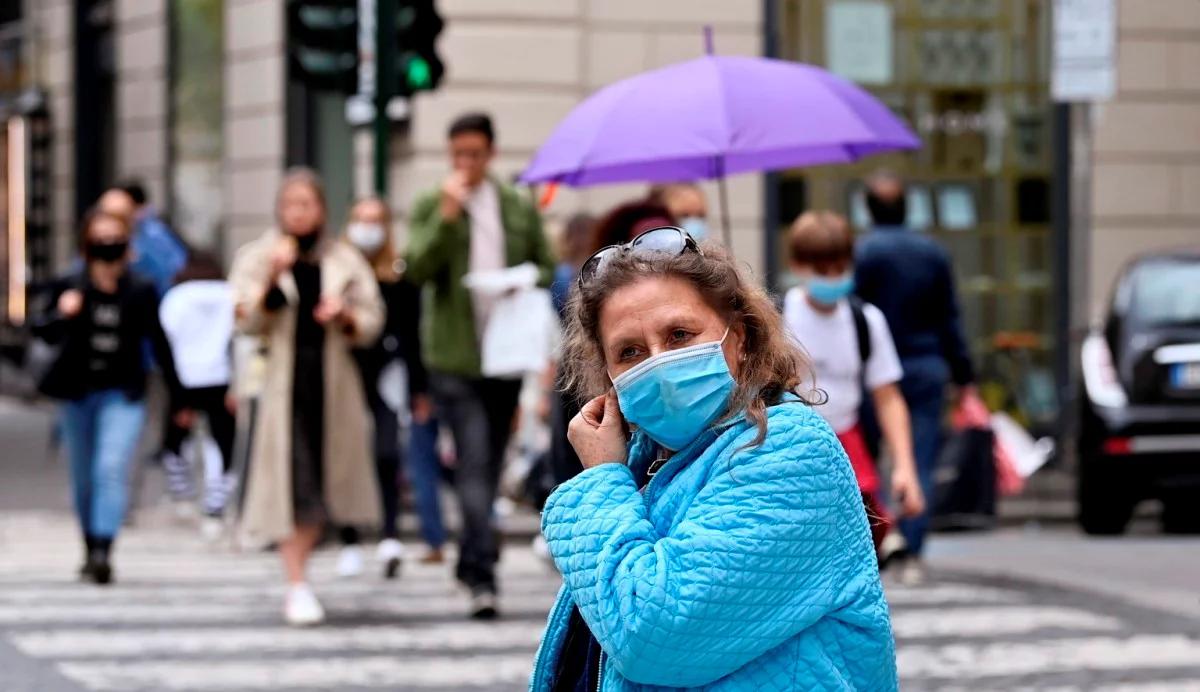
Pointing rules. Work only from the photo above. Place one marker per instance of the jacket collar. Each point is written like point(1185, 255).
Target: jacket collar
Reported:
point(890, 227)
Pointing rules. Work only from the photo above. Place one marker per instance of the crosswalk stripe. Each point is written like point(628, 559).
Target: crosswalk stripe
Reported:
point(459, 636)
point(949, 593)
point(333, 673)
point(406, 587)
point(210, 612)
point(996, 621)
point(969, 661)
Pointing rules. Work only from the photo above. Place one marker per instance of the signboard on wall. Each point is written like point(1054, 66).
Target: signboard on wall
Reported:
point(1085, 50)
point(858, 40)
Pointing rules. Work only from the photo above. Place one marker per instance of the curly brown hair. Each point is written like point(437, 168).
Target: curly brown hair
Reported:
point(773, 364)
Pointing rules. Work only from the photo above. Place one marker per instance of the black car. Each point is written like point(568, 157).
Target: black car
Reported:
point(1139, 435)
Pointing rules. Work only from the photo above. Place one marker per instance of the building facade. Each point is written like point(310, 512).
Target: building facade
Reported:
point(194, 98)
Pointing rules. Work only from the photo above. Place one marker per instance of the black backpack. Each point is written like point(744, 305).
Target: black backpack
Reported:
point(866, 410)
point(862, 331)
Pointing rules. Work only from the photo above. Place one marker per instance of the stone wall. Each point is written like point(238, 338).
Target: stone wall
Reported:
point(1146, 146)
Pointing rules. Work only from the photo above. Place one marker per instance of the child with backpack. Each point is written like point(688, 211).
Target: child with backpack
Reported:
point(852, 352)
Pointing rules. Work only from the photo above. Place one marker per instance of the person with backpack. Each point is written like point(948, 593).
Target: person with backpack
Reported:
point(852, 352)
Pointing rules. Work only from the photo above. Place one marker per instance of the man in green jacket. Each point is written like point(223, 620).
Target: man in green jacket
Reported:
point(474, 223)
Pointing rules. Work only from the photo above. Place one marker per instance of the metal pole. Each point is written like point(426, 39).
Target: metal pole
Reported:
point(726, 233)
point(770, 226)
point(1061, 217)
point(385, 86)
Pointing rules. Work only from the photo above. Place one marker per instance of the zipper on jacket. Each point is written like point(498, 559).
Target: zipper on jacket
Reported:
point(600, 672)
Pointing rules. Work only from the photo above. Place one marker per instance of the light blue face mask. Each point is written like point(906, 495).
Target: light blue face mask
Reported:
point(675, 395)
point(695, 227)
point(828, 291)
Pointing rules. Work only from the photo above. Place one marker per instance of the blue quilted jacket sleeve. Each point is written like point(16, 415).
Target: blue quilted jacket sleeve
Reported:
point(764, 550)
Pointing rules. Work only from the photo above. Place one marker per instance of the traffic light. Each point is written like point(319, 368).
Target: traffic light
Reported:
point(418, 67)
point(323, 43)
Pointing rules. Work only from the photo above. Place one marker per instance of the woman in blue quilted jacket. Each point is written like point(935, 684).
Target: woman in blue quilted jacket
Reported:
point(716, 538)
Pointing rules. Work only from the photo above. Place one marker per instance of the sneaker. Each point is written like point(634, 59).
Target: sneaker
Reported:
point(483, 604)
point(390, 554)
point(912, 572)
point(301, 607)
point(212, 528)
point(893, 550)
point(350, 561)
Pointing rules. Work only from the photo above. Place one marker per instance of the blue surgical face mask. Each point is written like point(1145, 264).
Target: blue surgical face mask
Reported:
point(674, 396)
point(695, 227)
point(829, 290)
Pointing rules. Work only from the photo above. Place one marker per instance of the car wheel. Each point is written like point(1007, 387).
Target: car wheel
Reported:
point(1105, 506)
point(1181, 515)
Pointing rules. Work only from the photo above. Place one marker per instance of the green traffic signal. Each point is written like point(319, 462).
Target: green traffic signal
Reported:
point(417, 73)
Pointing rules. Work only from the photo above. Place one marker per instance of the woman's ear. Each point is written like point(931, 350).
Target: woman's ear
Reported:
point(735, 347)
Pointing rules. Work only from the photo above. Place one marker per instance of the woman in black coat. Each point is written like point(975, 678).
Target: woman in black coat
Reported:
point(99, 317)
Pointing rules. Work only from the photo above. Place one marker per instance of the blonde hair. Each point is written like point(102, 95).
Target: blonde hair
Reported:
point(386, 259)
point(773, 363)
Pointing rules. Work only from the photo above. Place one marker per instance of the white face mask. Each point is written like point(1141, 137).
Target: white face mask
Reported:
point(368, 237)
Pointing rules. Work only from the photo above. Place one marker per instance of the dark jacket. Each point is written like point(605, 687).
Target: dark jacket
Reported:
point(907, 275)
point(68, 377)
point(400, 339)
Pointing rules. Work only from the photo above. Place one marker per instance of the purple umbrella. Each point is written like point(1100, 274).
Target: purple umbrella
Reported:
point(714, 116)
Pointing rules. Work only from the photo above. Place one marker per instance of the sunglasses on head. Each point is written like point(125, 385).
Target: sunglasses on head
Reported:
point(665, 240)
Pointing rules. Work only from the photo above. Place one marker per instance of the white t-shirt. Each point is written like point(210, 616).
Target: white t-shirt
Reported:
point(197, 317)
point(487, 252)
point(832, 344)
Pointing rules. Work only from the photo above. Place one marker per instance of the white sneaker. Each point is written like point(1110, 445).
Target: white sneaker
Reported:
point(301, 607)
point(483, 604)
point(390, 554)
point(893, 550)
point(350, 561)
point(212, 529)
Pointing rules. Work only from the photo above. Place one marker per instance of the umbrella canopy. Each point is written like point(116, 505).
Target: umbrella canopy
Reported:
point(715, 116)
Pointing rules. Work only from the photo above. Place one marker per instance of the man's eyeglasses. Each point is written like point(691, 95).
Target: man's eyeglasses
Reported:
point(666, 240)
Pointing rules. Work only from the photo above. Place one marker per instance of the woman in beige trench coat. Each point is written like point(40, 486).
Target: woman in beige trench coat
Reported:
point(311, 300)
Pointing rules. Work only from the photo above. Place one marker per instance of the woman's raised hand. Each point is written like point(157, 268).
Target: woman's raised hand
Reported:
point(598, 432)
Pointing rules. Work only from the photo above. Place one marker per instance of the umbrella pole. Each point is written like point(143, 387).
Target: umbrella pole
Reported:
point(725, 231)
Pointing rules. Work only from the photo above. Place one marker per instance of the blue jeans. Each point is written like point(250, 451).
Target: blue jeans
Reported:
point(924, 389)
point(424, 474)
point(101, 432)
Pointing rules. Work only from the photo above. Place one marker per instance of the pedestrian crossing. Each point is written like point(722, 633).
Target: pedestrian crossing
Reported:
point(185, 616)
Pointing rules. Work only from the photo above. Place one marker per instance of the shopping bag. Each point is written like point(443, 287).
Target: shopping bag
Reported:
point(1018, 455)
point(965, 488)
point(521, 334)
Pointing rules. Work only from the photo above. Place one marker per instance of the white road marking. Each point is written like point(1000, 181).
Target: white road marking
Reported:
point(990, 621)
point(332, 673)
point(459, 637)
point(970, 661)
point(204, 612)
point(950, 593)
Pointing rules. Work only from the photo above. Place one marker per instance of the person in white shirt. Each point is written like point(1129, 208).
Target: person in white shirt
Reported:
point(197, 317)
point(851, 351)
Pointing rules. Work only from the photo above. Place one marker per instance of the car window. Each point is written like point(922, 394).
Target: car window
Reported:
point(1166, 292)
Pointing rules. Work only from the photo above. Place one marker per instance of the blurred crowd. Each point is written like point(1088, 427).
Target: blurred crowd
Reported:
point(329, 369)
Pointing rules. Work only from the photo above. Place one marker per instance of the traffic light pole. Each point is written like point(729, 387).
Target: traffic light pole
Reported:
point(385, 81)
